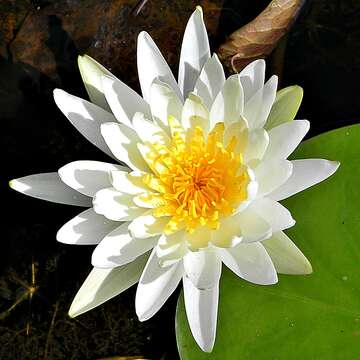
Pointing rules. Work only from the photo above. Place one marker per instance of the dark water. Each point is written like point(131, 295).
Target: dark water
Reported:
point(322, 55)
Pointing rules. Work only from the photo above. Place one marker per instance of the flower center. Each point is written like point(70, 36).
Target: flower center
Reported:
point(197, 179)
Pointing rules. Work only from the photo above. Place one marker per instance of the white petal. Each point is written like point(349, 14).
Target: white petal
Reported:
point(115, 205)
point(257, 108)
point(129, 183)
point(141, 200)
point(258, 141)
point(272, 174)
point(152, 65)
point(171, 248)
point(251, 262)
point(244, 226)
point(240, 130)
point(164, 103)
point(229, 103)
point(155, 286)
point(87, 228)
point(88, 177)
point(119, 248)
point(286, 256)
point(49, 187)
point(195, 51)
point(201, 310)
point(103, 284)
point(195, 113)
point(273, 213)
point(199, 238)
point(252, 226)
point(148, 131)
point(85, 116)
point(122, 142)
point(147, 225)
point(252, 78)
point(210, 81)
point(268, 98)
point(285, 138)
point(306, 173)
point(229, 232)
point(203, 268)
point(124, 101)
point(91, 72)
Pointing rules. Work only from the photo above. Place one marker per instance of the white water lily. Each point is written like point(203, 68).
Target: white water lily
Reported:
point(205, 168)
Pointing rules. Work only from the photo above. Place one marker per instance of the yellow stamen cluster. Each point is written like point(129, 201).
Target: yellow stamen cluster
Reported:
point(197, 179)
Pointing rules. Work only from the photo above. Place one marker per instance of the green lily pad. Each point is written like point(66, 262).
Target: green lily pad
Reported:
point(302, 317)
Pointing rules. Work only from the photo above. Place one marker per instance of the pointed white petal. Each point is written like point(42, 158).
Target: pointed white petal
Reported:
point(268, 98)
point(164, 103)
point(203, 268)
point(252, 226)
point(148, 131)
point(103, 284)
point(119, 248)
point(210, 81)
point(251, 262)
point(85, 116)
point(285, 138)
point(128, 183)
point(229, 103)
point(286, 256)
point(140, 200)
point(252, 78)
point(240, 131)
point(91, 72)
point(87, 228)
point(195, 113)
point(306, 173)
point(199, 238)
point(272, 174)
point(257, 108)
point(201, 310)
point(155, 286)
point(258, 141)
point(152, 65)
point(171, 248)
point(147, 225)
point(229, 232)
point(88, 177)
point(273, 213)
point(115, 205)
point(195, 51)
point(124, 102)
point(122, 142)
point(49, 187)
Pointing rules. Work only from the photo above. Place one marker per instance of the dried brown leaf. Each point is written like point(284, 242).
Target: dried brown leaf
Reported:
point(259, 37)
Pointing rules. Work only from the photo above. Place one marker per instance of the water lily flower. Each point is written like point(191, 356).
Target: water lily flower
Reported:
point(200, 167)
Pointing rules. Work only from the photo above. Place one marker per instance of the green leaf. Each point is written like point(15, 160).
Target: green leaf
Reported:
point(103, 284)
point(302, 317)
point(285, 107)
point(91, 72)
